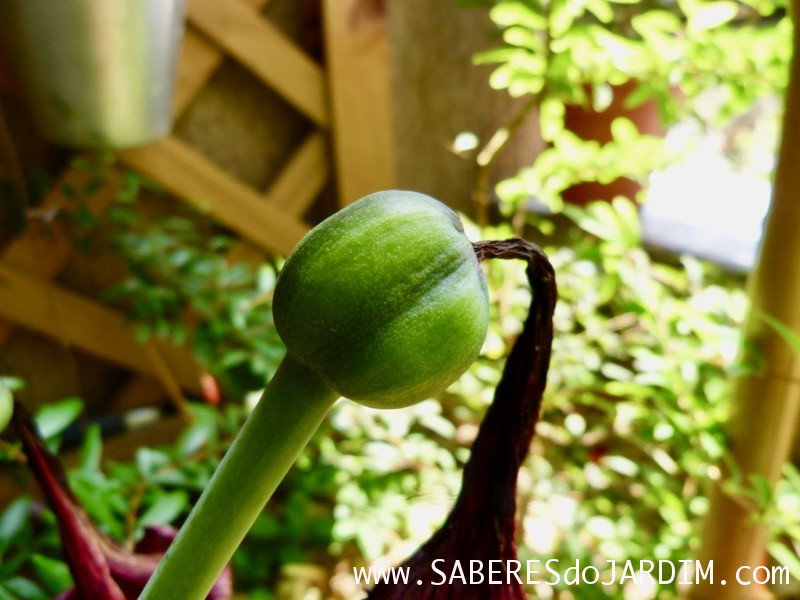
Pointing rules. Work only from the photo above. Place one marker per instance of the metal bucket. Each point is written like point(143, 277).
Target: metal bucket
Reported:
point(96, 73)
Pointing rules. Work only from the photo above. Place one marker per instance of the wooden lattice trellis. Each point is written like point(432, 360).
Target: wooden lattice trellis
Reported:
point(355, 122)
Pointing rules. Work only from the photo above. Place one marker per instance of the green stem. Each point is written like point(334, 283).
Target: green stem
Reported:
point(291, 409)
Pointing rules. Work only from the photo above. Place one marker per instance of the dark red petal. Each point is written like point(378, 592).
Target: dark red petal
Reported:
point(102, 570)
point(83, 549)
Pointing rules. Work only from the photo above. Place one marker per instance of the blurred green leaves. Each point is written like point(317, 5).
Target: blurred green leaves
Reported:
point(631, 430)
point(182, 284)
point(579, 53)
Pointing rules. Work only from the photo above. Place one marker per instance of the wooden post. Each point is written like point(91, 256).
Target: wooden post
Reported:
point(357, 55)
point(765, 407)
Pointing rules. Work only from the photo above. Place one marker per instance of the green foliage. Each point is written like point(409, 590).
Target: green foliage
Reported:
point(644, 350)
point(579, 53)
point(631, 430)
point(643, 355)
point(181, 284)
point(53, 419)
point(29, 543)
point(783, 517)
point(29, 549)
point(179, 275)
point(640, 380)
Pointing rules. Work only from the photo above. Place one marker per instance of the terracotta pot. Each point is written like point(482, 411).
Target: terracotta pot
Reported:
point(592, 125)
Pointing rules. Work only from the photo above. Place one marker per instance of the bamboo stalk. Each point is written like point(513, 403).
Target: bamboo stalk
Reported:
point(765, 407)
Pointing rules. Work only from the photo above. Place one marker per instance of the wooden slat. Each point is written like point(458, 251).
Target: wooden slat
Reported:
point(265, 51)
point(73, 319)
point(139, 392)
point(357, 58)
point(199, 59)
point(293, 191)
point(303, 177)
point(44, 253)
point(124, 446)
point(44, 249)
point(190, 176)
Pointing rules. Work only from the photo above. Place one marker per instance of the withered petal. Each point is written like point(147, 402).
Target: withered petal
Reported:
point(101, 569)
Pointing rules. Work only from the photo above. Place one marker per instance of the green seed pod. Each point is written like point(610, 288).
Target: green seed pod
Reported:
point(384, 300)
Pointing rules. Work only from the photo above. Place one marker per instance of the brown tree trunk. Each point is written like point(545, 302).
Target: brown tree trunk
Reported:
point(765, 407)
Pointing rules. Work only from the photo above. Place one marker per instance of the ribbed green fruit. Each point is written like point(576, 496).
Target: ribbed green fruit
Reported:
point(384, 300)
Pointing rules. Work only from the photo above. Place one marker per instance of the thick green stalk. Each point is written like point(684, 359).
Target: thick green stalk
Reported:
point(291, 409)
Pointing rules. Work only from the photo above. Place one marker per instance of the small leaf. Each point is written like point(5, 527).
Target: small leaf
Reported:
point(517, 13)
point(167, 507)
point(629, 220)
point(600, 9)
point(55, 418)
point(13, 520)
point(6, 405)
point(92, 449)
point(149, 461)
point(25, 589)
point(785, 558)
point(495, 55)
point(710, 16)
point(14, 384)
point(790, 337)
point(53, 573)
point(195, 437)
point(761, 489)
point(624, 131)
point(655, 21)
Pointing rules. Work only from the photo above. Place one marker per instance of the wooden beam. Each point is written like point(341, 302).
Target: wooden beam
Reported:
point(303, 177)
point(140, 391)
point(357, 57)
point(265, 51)
point(75, 320)
point(293, 191)
point(192, 177)
point(43, 249)
point(199, 59)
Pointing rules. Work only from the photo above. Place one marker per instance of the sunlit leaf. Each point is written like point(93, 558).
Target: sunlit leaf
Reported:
point(600, 9)
point(53, 419)
point(629, 220)
point(166, 508)
point(788, 335)
point(92, 449)
point(785, 557)
point(25, 589)
point(712, 15)
point(13, 520)
point(517, 13)
point(53, 573)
